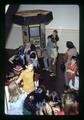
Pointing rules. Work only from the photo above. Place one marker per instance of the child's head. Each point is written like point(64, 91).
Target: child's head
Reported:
point(54, 96)
point(14, 91)
point(28, 44)
point(29, 67)
point(33, 54)
point(73, 59)
point(70, 106)
point(69, 45)
point(55, 32)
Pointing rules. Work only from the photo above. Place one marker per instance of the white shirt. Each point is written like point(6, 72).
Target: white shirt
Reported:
point(76, 84)
point(16, 108)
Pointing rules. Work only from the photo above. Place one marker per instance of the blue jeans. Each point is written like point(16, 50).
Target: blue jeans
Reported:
point(46, 63)
point(22, 59)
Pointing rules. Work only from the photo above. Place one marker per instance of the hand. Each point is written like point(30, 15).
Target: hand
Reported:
point(53, 63)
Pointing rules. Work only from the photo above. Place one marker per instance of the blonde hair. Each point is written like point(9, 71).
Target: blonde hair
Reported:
point(14, 91)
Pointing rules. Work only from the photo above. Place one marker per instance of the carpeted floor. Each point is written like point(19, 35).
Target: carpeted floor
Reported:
point(51, 83)
point(54, 83)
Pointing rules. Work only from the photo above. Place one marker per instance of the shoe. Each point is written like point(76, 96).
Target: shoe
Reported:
point(52, 74)
point(47, 69)
point(44, 68)
point(50, 70)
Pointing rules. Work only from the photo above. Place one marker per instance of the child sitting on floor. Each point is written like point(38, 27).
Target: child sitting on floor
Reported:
point(16, 99)
point(71, 69)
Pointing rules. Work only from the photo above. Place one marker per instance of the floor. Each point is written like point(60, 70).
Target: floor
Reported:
point(54, 83)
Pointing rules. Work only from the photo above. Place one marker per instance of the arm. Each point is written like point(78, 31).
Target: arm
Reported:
point(73, 71)
point(70, 71)
point(11, 59)
point(70, 85)
point(20, 78)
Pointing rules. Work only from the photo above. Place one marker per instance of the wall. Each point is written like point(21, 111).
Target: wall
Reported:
point(64, 16)
point(65, 35)
point(15, 38)
point(65, 20)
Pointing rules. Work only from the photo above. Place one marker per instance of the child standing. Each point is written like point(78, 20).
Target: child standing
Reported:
point(53, 55)
point(45, 59)
point(49, 47)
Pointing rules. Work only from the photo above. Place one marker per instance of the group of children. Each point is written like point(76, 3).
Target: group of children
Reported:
point(42, 102)
point(26, 63)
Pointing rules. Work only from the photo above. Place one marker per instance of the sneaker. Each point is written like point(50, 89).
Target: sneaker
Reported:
point(47, 69)
point(50, 70)
point(44, 68)
point(52, 74)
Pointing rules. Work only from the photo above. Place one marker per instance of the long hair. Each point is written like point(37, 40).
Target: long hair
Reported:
point(70, 108)
point(69, 45)
point(14, 91)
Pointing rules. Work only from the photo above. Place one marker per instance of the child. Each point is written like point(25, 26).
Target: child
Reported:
point(71, 69)
point(27, 77)
point(17, 67)
point(33, 58)
point(40, 58)
point(49, 47)
point(27, 51)
point(70, 105)
point(22, 55)
point(49, 44)
point(74, 84)
point(16, 99)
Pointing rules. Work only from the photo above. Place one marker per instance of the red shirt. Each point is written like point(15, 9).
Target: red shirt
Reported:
point(60, 113)
point(73, 68)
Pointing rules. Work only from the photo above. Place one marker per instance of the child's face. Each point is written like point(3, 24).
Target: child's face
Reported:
point(73, 61)
point(30, 67)
point(54, 33)
point(28, 45)
point(51, 103)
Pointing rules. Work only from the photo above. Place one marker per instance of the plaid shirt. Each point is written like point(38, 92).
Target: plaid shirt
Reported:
point(72, 68)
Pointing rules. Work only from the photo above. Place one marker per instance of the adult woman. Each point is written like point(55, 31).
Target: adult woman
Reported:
point(71, 51)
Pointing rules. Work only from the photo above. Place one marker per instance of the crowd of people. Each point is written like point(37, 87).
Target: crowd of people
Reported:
point(25, 94)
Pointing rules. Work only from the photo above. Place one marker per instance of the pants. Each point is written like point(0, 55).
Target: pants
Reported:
point(46, 63)
point(53, 67)
point(49, 60)
point(41, 63)
point(22, 59)
point(66, 78)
